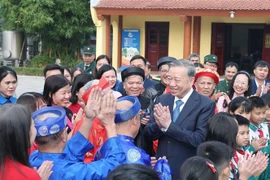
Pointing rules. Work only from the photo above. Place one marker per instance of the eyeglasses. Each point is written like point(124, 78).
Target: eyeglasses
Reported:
point(242, 83)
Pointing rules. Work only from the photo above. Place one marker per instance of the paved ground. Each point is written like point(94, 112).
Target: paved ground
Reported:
point(29, 83)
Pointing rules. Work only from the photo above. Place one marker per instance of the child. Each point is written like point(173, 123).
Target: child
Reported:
point(266, 99)
point(259, 129)
point(197, 168)
point(220, 154)
point(223, 127)
point(240, 106)
point(242, 140)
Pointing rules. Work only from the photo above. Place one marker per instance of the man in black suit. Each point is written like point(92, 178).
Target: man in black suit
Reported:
point(179, 119)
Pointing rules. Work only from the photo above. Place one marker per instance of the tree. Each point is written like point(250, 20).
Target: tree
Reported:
point(64, 26)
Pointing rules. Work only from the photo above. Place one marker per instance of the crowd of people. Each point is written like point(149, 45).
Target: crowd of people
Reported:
point(88, 124)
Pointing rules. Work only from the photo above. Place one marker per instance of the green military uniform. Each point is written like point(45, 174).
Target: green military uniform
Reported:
point(90, 68)
point(223, 86)
point(87, 69)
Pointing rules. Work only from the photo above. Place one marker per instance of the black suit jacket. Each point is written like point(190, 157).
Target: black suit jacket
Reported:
point(182, 138)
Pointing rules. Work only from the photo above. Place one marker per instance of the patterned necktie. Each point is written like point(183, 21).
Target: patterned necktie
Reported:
point(260, 133)
point(176, 110)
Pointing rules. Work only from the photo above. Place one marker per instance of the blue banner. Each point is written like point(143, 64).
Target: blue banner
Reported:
point(130, 44)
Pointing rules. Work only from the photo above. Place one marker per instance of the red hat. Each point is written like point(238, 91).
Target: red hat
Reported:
point(208, 73)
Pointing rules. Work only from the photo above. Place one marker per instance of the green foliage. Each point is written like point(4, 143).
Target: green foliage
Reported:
point(29, 71)
point(64, 26)
point(42, 60)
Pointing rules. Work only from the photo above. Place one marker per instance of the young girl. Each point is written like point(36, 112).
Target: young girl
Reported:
point(240, 106)
point(197, 168)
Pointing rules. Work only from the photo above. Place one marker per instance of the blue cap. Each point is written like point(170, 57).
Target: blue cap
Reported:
point(125, 115)
point(49, 120)
point(163, 169)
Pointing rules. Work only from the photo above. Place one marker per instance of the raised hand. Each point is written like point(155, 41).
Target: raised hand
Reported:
point(92, 107)
point(107, 109)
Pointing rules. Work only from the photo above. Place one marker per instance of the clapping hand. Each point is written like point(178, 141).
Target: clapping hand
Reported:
point(261, 163)
point(258, 144)
point(162, 116)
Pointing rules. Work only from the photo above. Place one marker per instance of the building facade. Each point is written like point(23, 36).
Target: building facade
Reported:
point(232, 30)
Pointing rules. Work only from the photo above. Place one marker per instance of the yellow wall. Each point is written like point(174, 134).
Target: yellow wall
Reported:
point(114, 23)
point(100, 32)
point(206, 25)
point(176, 31)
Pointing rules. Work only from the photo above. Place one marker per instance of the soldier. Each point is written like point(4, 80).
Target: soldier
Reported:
point(89, 63)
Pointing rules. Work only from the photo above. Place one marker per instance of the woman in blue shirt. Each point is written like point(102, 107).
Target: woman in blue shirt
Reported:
point(8, 85)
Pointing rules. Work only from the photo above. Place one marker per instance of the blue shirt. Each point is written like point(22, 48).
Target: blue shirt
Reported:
point(70, 165)
point(4, 100)
point(134, 154)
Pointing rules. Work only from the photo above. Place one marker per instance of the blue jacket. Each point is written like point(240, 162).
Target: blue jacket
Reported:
point(70, 165)
point(4, 100)
point(134, 154)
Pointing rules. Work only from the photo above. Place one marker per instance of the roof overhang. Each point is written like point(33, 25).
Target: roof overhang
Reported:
point(174, 12)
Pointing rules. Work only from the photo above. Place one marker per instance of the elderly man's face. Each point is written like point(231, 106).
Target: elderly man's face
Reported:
point(133, 85)
point(179, 82)
point(205, 85)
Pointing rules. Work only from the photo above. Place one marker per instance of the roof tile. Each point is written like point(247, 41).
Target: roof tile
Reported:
point(186, 4)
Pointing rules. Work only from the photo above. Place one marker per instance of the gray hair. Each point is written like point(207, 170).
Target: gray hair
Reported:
point(194, 55)
point(91, 83)
point(191, 71)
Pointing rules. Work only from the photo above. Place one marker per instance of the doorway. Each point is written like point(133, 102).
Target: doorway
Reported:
point(240, 43)
point(157, 40)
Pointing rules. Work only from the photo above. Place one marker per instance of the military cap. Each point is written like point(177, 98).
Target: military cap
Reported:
point(211, 58)
point(88, 50)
